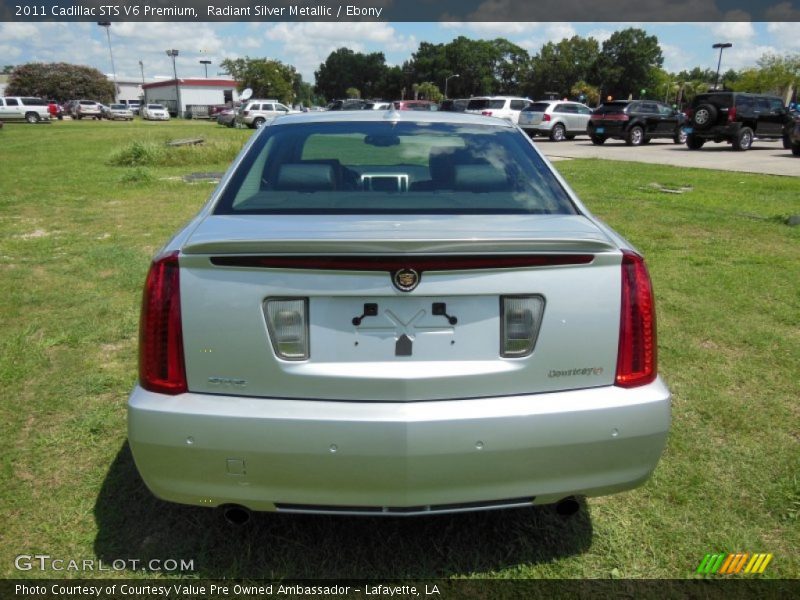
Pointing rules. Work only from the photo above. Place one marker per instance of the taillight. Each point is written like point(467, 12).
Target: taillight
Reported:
point(731, 114)
point(486, 113)
point(636, 359)
point(545, 117)
point(161, 364)
point(689, 112)
point(245, 113)
point(287, 322)
point(613, 117)
point(520, 319)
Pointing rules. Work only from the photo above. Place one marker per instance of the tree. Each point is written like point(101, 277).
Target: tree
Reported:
point(7, 69)
point(60, 82)
point(626, 61)
point(559, 67)
point(352, 92)
point(428, 91)
point(482, 66)
point(775, 74)
point(266, 77)
point(586, 93)
point(345, 69)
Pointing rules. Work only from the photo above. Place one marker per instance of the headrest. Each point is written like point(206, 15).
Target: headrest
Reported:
point(480, 178)
point(304, 177)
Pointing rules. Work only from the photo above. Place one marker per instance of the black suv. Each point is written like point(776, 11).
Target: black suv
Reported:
point(636, 121)
point(735, 117)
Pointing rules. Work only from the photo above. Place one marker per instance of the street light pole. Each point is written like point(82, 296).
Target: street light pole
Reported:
point(205, 63)
point(445, 83)
point(107, 26)
point(173, 55)
point(721, 46)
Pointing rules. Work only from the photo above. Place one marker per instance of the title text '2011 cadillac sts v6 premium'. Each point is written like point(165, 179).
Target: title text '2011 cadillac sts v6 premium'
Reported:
point(395, 313)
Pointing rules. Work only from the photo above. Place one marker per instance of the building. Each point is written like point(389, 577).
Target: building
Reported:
point(127, 90)
point(194, 96)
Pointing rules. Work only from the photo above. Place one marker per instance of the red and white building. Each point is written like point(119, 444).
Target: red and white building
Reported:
point(188, 94)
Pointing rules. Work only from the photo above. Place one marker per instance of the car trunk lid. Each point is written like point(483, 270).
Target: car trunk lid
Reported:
point(371, 341)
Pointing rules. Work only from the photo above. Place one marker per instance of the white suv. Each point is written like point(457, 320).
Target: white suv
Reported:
point(558, 119)
point(503, 107)
point(20, 108)
point(254, 113)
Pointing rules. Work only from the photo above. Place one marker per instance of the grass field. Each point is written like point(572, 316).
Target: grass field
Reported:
point(76, 236)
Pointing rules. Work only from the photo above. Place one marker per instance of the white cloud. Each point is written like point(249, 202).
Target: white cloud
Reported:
point(677, 58)
point(734, 31)
point(307, 45)
point(786, 34)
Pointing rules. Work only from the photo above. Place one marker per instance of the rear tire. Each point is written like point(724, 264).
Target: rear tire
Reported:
point(704, 116)
point(258, 123)
point(558, 133)
point(694, 143)
point(786, 143)
point(796, 149)
point(635, 136)
point(597, 140)
point(743, 140)
point(680, 137)
point(32, 117)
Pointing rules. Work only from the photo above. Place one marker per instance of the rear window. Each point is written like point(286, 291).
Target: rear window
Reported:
point(118, 107)
point(723, 100)
point(484, 103)
point(537, 107)
point(393, 168)
point(155, 107)
point(611, 108)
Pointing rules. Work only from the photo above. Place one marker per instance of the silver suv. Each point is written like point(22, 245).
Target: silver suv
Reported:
point(558, 119)
point(21, 108)
point(88, 109)
point(254, 113)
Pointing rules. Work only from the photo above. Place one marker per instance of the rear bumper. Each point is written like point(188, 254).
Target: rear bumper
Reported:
point(356, 457)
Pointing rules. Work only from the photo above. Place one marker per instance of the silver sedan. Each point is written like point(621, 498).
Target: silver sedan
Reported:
point(395, 313)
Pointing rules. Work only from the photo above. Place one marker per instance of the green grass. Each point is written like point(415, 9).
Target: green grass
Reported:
point(76, 236)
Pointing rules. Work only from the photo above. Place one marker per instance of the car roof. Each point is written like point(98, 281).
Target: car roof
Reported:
point(392, 115)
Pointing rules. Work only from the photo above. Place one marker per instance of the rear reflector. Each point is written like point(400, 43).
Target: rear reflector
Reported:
point(611, 117)
point(520, 319)
point(161, 364)
point(395, 262)
point(636, 358)
point(287, 322)
point(486, 113)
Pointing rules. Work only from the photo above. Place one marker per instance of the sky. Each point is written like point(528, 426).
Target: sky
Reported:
point(306, 45)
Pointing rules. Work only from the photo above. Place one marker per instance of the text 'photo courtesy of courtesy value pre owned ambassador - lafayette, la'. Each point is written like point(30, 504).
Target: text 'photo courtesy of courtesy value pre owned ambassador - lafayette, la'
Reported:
point(398, 313)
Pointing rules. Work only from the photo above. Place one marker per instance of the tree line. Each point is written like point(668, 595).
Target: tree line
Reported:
point(628, 64)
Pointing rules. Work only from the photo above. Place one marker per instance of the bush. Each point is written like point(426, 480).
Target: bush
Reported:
point(152, 154)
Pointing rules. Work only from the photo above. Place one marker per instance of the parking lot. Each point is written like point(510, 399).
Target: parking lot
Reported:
point(765, 157)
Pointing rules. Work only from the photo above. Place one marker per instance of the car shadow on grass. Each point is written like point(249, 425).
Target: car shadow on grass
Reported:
point(132, 524)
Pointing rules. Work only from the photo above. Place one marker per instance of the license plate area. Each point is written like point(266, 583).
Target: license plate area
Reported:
point(600, 130)
point(378, 329)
